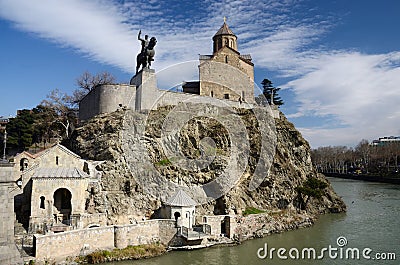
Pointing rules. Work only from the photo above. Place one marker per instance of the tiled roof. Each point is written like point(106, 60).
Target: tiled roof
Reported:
point(224, 30)
point(59, 172)
point(246, 57)
point(204, 57)
point(180, 198)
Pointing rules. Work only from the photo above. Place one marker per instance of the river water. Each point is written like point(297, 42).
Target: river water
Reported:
point(372, 221)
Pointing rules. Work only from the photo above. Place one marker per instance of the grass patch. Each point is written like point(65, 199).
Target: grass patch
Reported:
point(130, 252)
point(164, 162)
point(252, 210)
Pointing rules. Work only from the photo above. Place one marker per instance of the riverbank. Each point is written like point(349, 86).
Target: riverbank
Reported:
point(372, 209)
point(364, 177)
point(128, 253)
point(249, 227)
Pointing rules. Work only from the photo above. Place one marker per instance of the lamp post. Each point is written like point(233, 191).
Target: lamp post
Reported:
point(5, 145)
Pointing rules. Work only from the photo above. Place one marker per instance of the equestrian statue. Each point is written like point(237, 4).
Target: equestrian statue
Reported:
point(146, 55)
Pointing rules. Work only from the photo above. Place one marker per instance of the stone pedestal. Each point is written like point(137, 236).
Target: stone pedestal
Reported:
point(147, 92)
point(9, 253)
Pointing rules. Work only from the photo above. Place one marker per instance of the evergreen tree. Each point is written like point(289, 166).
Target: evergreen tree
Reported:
point(268, 90)
point(20, 131)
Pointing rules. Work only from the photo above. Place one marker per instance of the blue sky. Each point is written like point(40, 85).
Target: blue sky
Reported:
point(337, 62)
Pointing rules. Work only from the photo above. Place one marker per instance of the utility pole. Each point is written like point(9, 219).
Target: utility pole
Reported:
point(5, 144)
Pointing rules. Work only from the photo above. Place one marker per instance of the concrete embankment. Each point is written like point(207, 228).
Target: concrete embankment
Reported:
point(372, 178)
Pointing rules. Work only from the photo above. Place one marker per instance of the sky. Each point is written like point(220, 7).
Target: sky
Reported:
point(337, 62)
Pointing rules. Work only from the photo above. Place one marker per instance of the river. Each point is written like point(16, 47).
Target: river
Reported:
point(372, 222)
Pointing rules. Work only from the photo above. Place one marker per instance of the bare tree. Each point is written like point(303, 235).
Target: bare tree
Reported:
point(62, 104)
point(88, 81)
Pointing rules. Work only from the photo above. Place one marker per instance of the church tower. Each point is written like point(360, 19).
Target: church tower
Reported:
point(226, 74)
point(224, 37)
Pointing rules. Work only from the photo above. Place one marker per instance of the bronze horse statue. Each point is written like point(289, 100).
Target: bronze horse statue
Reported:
point(145, 58)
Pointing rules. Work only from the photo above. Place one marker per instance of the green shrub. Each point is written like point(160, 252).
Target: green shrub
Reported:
point(252, 210)
point(164, 162)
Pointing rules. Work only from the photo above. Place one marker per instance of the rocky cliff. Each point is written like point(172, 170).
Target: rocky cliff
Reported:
point(227, 159)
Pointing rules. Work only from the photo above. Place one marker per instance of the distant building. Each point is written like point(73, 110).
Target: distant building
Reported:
point(385, 140)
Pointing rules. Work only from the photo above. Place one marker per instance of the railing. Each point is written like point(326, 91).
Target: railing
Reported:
point(197, 233)
point(185, 231)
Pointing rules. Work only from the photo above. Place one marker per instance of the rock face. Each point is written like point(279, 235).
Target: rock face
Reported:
point(226, 159)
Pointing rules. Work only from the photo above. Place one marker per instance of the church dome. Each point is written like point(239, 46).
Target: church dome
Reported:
point(224, 38)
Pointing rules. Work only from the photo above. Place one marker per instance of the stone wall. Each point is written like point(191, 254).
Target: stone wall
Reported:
point(218, 79)
point(145, 232)
point(46, 187)
point(93, 220)
point(73, 243)
point(84, 241)
point(107, 98)
point(8, 252)
point(217, 221)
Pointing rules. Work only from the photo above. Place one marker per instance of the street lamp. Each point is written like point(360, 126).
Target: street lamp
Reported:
point(5, 145)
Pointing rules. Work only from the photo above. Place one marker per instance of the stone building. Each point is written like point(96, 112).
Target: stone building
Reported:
point(56, 186)
point(225, 75)
point(9, 253)
point(181, 208)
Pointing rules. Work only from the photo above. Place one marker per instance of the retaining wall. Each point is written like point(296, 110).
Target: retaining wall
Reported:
point(84, 241)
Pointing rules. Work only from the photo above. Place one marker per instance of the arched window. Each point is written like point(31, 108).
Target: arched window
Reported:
point(86, 168)
point(42, 205)
point(23, 164)
point(226, 59)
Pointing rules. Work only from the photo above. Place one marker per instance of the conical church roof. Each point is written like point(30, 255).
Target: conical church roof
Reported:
point(180, 198)
point(224, 30)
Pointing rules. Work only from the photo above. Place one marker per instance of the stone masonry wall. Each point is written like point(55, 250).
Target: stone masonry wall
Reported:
point(73, 243)
point(218, 78)
point(107, 98)
point(8, 251)
point(84, 241)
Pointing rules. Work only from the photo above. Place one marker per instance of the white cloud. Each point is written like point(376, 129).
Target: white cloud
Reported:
point(360, 90)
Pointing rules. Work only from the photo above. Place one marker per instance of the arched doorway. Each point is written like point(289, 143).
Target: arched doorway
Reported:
point(177, 215)
point(62, 203)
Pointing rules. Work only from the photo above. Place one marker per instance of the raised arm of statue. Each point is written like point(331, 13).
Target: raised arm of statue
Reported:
point(138, 36)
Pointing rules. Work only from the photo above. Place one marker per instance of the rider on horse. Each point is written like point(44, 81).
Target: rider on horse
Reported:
point(145, 41)
point(145, 57)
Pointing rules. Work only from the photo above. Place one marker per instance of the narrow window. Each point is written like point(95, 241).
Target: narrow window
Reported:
point(226, 59)
point(212, 94)
point(42, 206)
point(86, 168)
point(204, 219)
point(226, 96)
point(57, 160)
